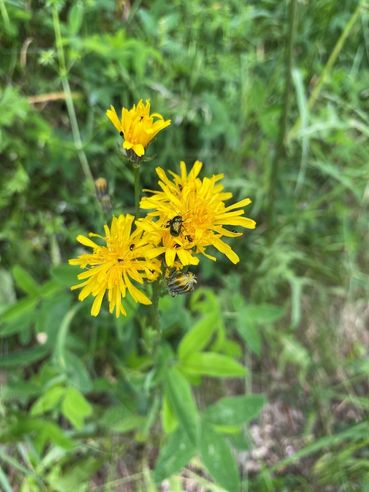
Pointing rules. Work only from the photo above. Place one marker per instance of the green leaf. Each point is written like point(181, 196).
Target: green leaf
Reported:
point(168, 419)
point(198, 337)
point(235, 410)
point(65, 275)
point(75, 407)
point(22, 358)
point(216, 455)
point(59, 351)
point(75, 18)
point(250, 332)
point(262, 313)
point(24, 307)
point(25, 281)
point(119, 419)
point(174, 455)
point(48, 400)
point(181, 400)
point(212, 364)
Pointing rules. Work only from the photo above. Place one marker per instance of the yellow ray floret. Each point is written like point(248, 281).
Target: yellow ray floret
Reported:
point(198, 206)
point(137, 126)
point(112, 267)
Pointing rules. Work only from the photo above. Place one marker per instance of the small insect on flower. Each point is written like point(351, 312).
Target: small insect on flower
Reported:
point(175, 225)
point(181, 283)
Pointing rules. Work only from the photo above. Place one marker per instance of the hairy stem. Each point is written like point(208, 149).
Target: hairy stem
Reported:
point(137, 184)
point(69, 100)
point(155, 308)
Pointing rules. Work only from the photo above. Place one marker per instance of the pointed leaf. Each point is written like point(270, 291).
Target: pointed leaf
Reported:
point(235, 410)
point(181, 400)
point(212, 364)
point(174, 455)
point(217, 456)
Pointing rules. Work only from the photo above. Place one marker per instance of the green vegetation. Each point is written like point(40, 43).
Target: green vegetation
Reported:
point(260, 380)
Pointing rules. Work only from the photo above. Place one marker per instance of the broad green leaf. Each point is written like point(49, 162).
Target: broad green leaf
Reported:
point(48, 400)
point(76, 372)
point(48, 431)
point(216, 455)
point(168, 419)
point(234, 410)
point(120, 419)
point(198, 337)
point(174, 455)
point(22, 358)
point(212, 364)
point(25, 281)
point(250, 332)
point(75, 18)
point(65, 275)
point(75, 477)
point(262, 313)
point(181, 400)
point(24, 307)
point(75, 407)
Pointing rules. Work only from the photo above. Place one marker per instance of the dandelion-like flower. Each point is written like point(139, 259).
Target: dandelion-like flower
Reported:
point(199, 210)
point(137, 126)
point(113, 266)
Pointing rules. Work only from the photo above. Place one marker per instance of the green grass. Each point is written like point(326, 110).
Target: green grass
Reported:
point(280, 108)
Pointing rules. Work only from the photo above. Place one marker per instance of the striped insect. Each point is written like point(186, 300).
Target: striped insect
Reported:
point(181, 283)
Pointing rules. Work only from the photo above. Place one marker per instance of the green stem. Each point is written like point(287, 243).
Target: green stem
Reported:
point(280, 151)
point(137, 181)
point(155, 308)
point(328, 66)
point(5, 15)
point(69, 101)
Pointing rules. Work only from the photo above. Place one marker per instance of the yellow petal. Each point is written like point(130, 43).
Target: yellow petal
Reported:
point(170, 255)
point(242, 203)
point(238, 221)
point(127, 145)
point(97, 303)
point(186, 258)
point(226, 249)
point(137, 295)
point(86, 241)
point(195, 171)
point(113, 117)
point(138, 149)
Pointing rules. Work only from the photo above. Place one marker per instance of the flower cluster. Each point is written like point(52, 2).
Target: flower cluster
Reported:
point(186, 216)
point(197, 207)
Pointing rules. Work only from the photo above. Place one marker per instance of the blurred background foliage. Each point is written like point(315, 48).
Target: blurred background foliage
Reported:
point(78, 404)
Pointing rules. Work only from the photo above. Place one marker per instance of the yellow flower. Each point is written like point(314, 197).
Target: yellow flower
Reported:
point(200, 214)
point(111, 267)
point(173, 248)
point(137, 126)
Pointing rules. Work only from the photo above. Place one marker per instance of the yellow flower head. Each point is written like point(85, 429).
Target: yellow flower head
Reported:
point(137, 126)
point(175, 249)
point(199, 203)
point(112, 267)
